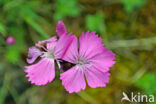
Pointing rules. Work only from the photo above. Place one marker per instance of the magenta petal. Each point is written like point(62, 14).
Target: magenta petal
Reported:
point(104, 60)
point(71, 55)
point(73, 80)
point(90, 45)
point(50, 40)
point(96, 78)
point(60, 28)
point(51, 44)
point(33, 54)
point(42, 72)
point(62, 45)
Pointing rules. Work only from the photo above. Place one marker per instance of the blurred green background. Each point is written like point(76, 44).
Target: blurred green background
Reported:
point(128, 28)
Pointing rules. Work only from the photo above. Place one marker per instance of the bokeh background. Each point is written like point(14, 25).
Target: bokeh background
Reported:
point(127, 27)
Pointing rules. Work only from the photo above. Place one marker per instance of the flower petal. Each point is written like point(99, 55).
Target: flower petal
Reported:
point(60, 28)
point(33, 54)
point(96, 78)
point(50, 40)
point(73, 80)
point(90, 45)
point(104, 60)
point(71, 55)
point(42, 72)
point(62, 45)
point(51, 44)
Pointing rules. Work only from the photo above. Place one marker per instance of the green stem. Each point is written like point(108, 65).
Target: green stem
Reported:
point(4, 89)
point(87, 97)
point(143, 43)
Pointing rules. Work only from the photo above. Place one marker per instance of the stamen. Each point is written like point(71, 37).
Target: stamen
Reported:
point(58, 63)
point(82, 63)
point(49, 55)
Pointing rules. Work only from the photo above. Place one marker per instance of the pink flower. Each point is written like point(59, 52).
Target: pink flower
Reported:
point(10, 40)
point(83, 58)
point(49, 51)
point(92, 61)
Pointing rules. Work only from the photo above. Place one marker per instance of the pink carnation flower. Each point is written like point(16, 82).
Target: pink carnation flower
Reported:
point(83, 58)
point(92, 61)
point(49, 51)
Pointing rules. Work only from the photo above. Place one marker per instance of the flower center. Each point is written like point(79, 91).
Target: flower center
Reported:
point(49, 55)
point(82, 63)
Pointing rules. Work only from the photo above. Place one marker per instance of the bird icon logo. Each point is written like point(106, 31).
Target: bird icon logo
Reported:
point(125, 97)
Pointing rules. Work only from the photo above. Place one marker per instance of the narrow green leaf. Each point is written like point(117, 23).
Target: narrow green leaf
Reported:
point(4, 90)
point(2, 29)
point(36, 27)
point(87, 97)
